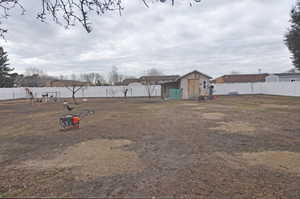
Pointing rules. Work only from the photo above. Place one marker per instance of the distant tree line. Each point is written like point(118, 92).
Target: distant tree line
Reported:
point(35, 77)
point(292, 37)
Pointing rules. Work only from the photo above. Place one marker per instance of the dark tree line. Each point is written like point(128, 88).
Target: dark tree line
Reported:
point(69, 12)
point(292, 38)
point(7, 78)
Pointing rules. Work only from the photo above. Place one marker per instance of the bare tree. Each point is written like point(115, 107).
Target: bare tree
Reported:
point(62, 77)
point(35, 77)
point(100, 80)
point(74, 87)
point(149, 87)
point(124, 90)
point(34, 71)
point(93, 78)
point(73, 77)
point(115, 76)
point(154, 72)
point(70, 12)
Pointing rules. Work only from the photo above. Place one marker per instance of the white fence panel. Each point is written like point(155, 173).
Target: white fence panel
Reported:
point(269, 88)
point(96, 91)
point(225, 89)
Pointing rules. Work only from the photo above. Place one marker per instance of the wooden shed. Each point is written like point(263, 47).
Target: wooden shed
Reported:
point(188, 86)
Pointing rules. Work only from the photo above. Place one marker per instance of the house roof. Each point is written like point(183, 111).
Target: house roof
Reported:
point(287, 74)
point(69, 82)
point(195, 71)
point(243, 78)
point(130, 80)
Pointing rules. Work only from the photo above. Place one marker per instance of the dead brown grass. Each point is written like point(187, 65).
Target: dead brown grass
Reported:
point(278, 160)
point(235, 127)
point(199, 108)
point(189, 104)
point(213, 116)
point(276, 106)
point(94, 158)
point(229, 160)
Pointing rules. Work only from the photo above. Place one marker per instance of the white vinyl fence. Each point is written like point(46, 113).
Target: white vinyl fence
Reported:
point(269, 88)
point(95, 91)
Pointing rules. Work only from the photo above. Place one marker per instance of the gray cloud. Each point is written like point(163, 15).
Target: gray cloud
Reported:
point(214, 37)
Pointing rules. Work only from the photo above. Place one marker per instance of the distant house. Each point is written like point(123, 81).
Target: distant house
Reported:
point(188, 86)
point(63, 83)
point(283, 77)
point(241, 78)
point(130, 81)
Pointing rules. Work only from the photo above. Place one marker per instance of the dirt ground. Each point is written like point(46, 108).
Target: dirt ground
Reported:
point(230, 147)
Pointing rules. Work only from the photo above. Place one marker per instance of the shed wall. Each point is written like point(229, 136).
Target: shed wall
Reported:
point(184, 85)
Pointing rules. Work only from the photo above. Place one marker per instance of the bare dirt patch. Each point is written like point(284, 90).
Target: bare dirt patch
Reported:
point(278, 160)
point(235, 127)
point(219, 106)
point(93, 159)
point(277, 106)
point(199, 108)
point(190, 104)
point(213, 116)
point(229, 160)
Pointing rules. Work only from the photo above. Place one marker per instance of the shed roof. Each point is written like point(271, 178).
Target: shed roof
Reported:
point(195, 71)
point(180, 77)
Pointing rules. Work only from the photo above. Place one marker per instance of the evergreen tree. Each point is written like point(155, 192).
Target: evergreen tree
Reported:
point(6, 79)
point(292, 38)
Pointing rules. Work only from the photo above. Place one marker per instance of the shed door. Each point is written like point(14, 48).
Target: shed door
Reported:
point(193, 88)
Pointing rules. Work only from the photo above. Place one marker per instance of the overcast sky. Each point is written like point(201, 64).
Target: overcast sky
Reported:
point(215, 37)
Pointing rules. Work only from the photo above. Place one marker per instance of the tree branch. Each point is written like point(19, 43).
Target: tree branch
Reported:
point(69, 11)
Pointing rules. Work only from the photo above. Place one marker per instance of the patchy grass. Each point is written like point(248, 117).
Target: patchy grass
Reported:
point(238, 127)
point(136, 147)
point(93, 159)
point(278, 160)
point(213, 116)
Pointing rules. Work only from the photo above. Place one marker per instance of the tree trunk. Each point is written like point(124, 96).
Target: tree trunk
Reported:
point(73, 97)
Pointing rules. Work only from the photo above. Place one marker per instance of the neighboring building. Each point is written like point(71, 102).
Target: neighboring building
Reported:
point(130, 81)
point(63, 83)
point(283, 77)
point(159, 79)
point(241, 78)
point(189, 86)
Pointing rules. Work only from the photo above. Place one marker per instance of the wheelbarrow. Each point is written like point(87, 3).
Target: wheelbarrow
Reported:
point(69, 121)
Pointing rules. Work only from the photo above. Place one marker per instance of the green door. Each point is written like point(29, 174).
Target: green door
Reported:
point(174, 93)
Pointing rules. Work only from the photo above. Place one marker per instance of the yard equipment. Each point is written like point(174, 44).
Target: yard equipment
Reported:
point(70, 121)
